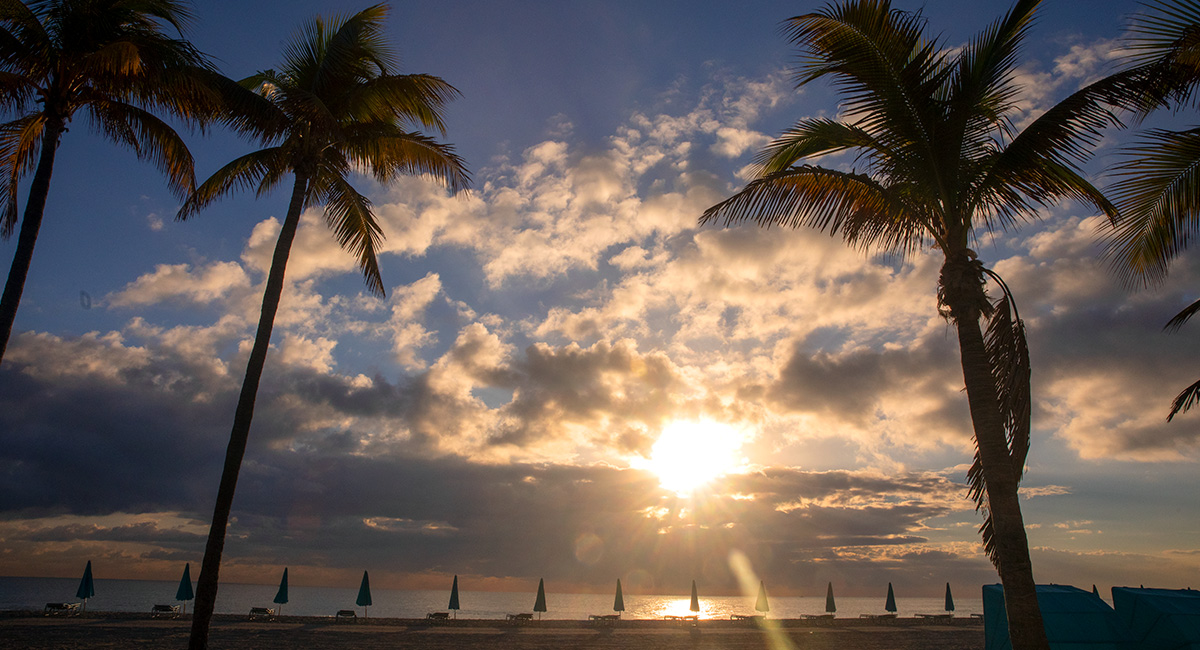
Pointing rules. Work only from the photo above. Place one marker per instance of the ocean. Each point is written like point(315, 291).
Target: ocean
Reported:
point(141, 595)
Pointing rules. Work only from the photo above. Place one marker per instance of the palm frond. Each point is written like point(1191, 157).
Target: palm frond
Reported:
point(849, 204)
point(1182, 317)
point(349, 215)
point(416, 100)
point(150, 138)
point(241, 173)
point(1158, 194)
point(1008, 358)
point(20, 141)
point(812, 137)
point(1185, 400)
point(387, 152)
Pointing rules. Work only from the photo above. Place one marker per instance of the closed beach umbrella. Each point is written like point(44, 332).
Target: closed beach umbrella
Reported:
point(185, 592)
point(1095, 590)
point(949, 599)
point(619, 600)
point(695, 604)
point(830, 606)
point(281, 596)
point(539, 605)
point(87, 587)
point(454, 597)
point(761, 604)
point(364, 594)
point(890, 604)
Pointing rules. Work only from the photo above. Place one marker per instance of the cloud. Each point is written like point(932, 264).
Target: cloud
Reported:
point(182, 282)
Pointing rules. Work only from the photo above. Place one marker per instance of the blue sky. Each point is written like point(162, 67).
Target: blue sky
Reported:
point(493, 415)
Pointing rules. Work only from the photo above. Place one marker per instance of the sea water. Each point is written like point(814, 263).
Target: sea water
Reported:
point(141, 595)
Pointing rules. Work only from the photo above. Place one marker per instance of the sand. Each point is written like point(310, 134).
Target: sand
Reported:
point(30, 630)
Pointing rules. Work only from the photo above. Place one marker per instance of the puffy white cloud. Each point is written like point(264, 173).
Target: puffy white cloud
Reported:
point(183, 282)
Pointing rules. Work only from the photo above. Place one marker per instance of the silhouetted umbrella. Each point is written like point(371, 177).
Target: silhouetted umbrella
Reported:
point(695, 604)
point(281, 596)
point(830, 606)
point(364, 594)
point(1095, 590)
point(87, 587)
point(890, 604)
point(949, 599)
point(761, 604)
point(619, 600)
point(185, 592)
point(539, 605)
point(454, 597)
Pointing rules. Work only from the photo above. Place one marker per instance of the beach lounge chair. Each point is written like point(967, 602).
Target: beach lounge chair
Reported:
point(877, 616)
point(260, 612)
point(347, 615)
point(745, 617)
point(604, 617)
point(936, 616)
point(520, 618)
point(61, 609)
point(817, 617)
point(164, 611)
point(437, 616)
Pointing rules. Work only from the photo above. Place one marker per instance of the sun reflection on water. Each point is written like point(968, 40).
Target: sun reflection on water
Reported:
point(680, 607)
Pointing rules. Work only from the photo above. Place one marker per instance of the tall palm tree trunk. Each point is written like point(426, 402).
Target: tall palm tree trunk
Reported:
point(206, 585)
point(1000, 478)
point(31, 223)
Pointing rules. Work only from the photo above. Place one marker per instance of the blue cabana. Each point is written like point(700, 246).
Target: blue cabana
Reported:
point(1075, 620)
point(1164, 619)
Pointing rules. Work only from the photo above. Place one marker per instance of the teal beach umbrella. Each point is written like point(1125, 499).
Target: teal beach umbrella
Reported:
point(454, 597)
point(185, 592)
point(830, 606)
point(364, 594)
point(281, 596)
point(695, 604)
point(619, 599)
point(890, 604)
point(761, 604)
point(949, 599)
point(539, 605)
point(87, 586)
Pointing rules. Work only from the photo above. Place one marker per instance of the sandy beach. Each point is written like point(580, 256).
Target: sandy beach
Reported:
point(31, 630)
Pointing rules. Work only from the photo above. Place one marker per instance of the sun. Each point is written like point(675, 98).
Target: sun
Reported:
point(690, 454)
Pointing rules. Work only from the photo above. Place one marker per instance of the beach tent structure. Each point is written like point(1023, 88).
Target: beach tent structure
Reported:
point(1075, 619)
point(87, 586)
point(619, 599)
point(949, 599)
point(364, 594)
point(454, 597)
point(1164, 619)
point(761, 604)
point(889, 605)
point(184, 592)
point(695, 604)
point(830, 606)
point(539, 605)
point(281, 596)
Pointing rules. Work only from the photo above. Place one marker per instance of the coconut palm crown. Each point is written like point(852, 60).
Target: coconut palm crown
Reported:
point(936, 160)
point(332, 108)
point(111, 60)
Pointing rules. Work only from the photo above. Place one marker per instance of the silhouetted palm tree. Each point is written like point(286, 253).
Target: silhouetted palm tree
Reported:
point(332, 107)
point(931, 130)
point(111, 60)
point(1157, 190)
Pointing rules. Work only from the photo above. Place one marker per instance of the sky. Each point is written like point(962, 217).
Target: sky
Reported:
point(550, 341)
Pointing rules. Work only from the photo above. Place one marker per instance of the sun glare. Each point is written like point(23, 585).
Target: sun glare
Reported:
point(690, 454)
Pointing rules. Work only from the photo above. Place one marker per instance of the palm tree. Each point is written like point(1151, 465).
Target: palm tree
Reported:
point(1157, 188)
point(933, 135)
point(332, 107)
point(110, 59)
